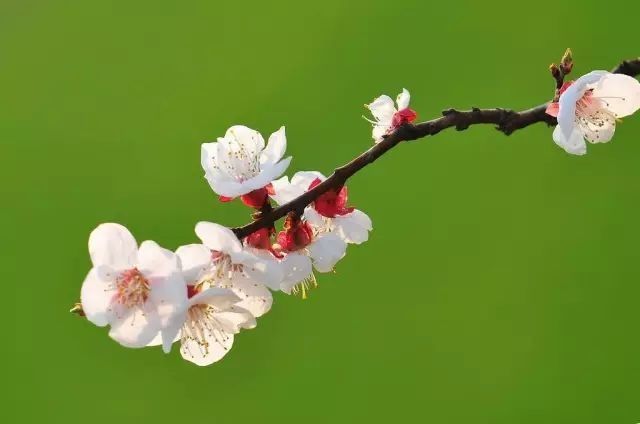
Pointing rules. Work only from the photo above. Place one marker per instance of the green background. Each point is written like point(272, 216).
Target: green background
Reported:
point(500, 283)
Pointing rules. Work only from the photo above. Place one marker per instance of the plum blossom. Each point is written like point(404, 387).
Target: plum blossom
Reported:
point(329, 212)
point(213, 316)
point(239, 164)
point(238, 269)
point(303, 249)
point(589, 107)
point(137, 291)
point(387, 117)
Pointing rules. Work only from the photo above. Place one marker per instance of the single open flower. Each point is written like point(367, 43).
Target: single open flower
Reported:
point(329, 212)
point(387, 117)
point(589, 107)
point(206, 328)
point(138, 292)
point(236, 268)
point(239, 164)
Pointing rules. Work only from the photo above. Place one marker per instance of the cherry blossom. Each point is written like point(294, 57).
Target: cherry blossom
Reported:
point(239, 164)
point(387, 117)
point(137, 291)
point(589, 107)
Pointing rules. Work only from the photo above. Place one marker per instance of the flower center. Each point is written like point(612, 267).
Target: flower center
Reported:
point(202, 327)
point(132, 289)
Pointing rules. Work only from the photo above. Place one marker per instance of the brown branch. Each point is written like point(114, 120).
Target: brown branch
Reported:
point(505, 120)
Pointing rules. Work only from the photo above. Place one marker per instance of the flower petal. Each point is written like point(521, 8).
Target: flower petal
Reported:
point(260, 265)
point(218, 344)
point(275, 147)
point(221, 298)
point(326, 251)
point(112, 245)
point(379, 131)
point(135, 327)
point(235, 319)
point(403, 99)
point(296, 268)
point(256, 298)
point(218, 238)
point(195, 260)
point(620, 94)
point(574, 145)
point(598, 127)
point(353, 227)
point(95, 296)
point(382, 108)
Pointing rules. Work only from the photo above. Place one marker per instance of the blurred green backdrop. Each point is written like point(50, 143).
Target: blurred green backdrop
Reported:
point(500, 284)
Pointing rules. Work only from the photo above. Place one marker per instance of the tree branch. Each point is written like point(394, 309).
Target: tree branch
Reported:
point(507, 121)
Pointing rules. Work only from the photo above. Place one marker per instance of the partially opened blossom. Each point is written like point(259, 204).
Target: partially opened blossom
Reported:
point(239, 164)
point(589, 107)
point(137, 291)
point(304, 249)
point(206, 328)
point(387, 116)
point(329, 212)
point(236, 268)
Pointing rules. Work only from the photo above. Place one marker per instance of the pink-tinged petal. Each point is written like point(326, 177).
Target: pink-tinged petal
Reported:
point(552, 109)
point(619, 93)
point(568, 100)
point(112, 245)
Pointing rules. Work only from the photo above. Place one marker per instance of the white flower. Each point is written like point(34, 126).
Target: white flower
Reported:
point(238, 269)
point(387, 117)
point(239, 162)
point(305, 249)
point(138, 292)
point(329, 212)
point(588, 109)
point(206, 329)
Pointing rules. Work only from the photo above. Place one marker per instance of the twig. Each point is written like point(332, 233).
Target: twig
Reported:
point(507, 121)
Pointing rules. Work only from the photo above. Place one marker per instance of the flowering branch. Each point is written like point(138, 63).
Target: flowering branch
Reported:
point(506, 121)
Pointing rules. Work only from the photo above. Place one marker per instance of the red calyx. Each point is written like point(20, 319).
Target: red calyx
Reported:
point(331, 203)
point(254, 199)
point(554, 107)
point(404, 116)
point(192, 291)
point(296, 235)
point(261, 239)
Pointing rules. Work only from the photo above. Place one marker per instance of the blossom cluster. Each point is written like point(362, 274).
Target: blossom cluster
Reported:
point(203, 294)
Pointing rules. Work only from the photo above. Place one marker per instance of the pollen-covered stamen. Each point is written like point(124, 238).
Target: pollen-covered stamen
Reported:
point(242, 160)
point(202, 327)
point(131, 289)
point(303, 288)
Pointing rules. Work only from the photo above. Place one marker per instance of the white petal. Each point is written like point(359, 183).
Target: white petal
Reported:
point(155, 261)
point(235, 319)
point(256, 298)
point(296, 268)
point(353, 227)
point(382, 109)
point(135, 327)
point(218, 238)
point(379, 131)
point(275, 147)
point(221, 298)
point(326, 250)
point(620, 93)
point(284, 192)
point(209, 157)
point(169, 295)
point(314, 218)
point(195, 260)
point(598, 127)
point(303, 179)
point(95, 296)
point(250, 140)
point(218, 345)
point(263, 267)
point(568, 99)
point(403, 99)
point(112, 245)
point(574, 145)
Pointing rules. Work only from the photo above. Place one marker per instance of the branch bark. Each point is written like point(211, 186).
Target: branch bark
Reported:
point(506, 121)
